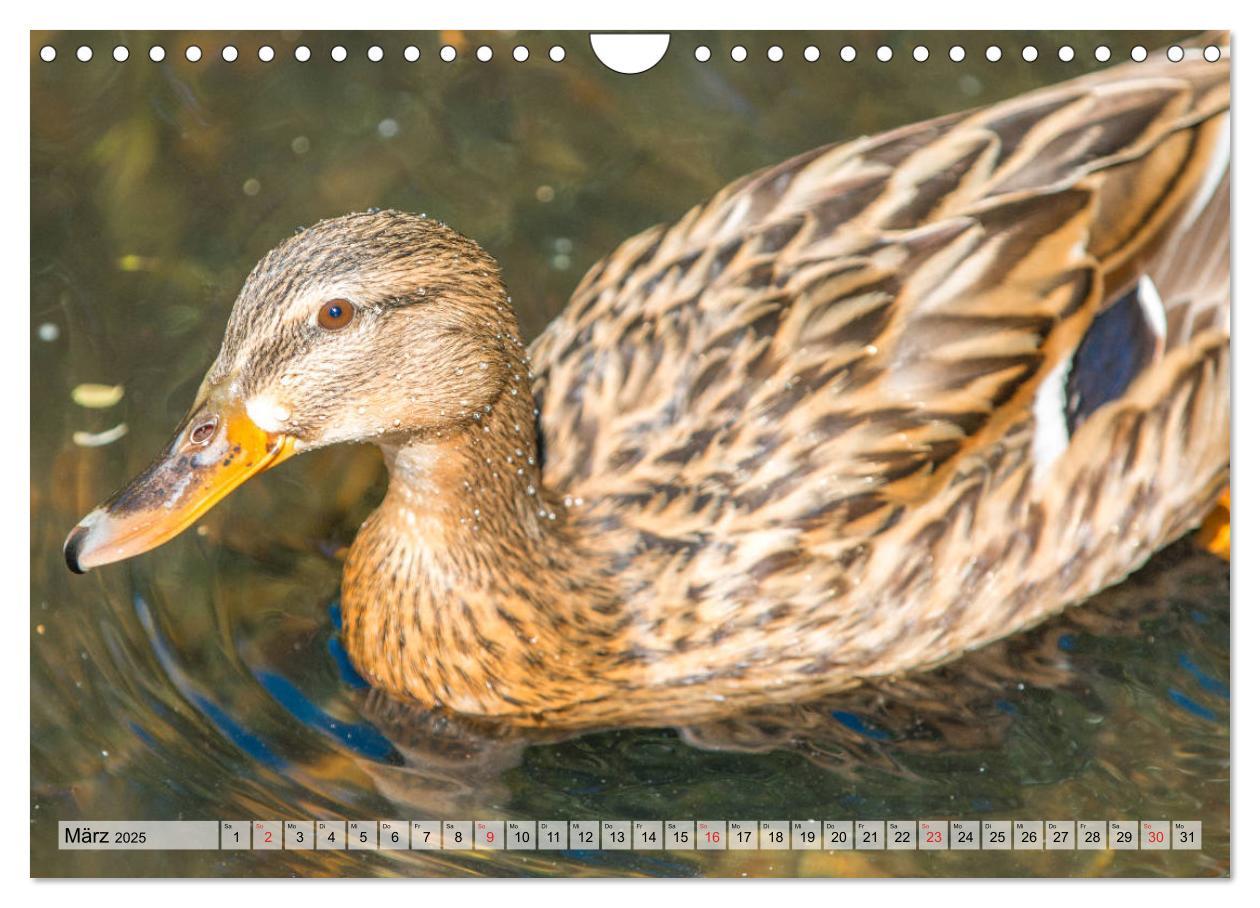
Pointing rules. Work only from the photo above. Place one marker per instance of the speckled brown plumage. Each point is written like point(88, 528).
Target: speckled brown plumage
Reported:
point(793, 431)
point(796, 440)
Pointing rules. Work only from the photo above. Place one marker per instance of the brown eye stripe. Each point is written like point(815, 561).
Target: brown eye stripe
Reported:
point(336, 314)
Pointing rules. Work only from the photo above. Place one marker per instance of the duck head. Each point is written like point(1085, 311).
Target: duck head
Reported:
point(367, 327)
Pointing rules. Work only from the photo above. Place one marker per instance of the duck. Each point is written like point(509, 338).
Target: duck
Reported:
point(862, 412)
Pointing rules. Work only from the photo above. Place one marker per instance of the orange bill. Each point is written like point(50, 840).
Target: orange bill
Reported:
point(216, 449)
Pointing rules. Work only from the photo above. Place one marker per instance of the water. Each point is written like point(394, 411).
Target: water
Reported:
point(204, 680)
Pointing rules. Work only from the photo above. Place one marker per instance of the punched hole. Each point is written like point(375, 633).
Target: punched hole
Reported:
point(629, 54)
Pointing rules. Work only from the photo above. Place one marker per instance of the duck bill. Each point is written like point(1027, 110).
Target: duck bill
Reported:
point(215, 449)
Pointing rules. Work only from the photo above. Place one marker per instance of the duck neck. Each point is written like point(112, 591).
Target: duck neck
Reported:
point(475, 493)
point(470, 587)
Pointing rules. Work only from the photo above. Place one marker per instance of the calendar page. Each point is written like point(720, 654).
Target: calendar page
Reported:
point(689, 453)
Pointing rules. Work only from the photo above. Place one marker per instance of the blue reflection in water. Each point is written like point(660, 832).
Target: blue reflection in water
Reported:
point(360, 737)
point(856, 723)
point(238, 734)
point(1189, 705)
point(139, 731)
point(340, 657)
point(1206, 681)
point(345, 670)
point(246, 740)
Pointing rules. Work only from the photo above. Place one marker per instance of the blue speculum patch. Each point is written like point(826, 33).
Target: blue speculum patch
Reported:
point(1115, 349)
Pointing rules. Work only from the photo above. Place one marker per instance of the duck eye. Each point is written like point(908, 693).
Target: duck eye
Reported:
point(335, 314)
point(202, 433)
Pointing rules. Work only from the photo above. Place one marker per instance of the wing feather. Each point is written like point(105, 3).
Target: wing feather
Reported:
point(820, 343)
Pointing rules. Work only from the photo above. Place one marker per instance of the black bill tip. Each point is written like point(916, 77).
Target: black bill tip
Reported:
point(73, 546)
